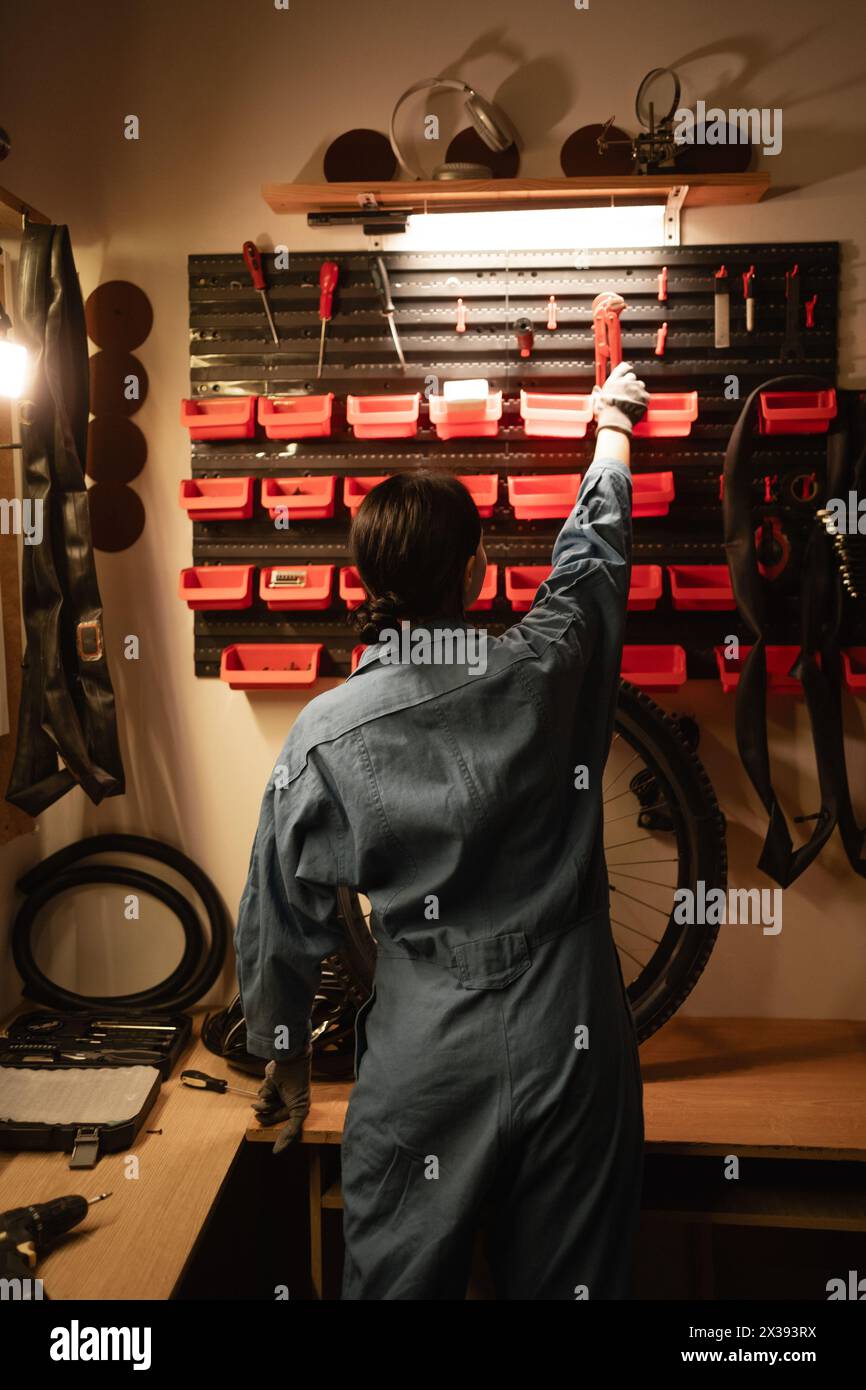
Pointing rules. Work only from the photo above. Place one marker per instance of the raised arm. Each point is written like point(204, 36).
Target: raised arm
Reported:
point(592, 553)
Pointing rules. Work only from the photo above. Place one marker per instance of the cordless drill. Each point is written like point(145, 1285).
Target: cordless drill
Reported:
point(25, 1232)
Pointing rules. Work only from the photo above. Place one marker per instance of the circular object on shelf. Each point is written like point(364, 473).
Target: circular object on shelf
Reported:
point(580, 157)
point(660, 89)
point(110, 376)
point(697, 157)
point(467, 147)
point(119, 316)
point(116, 516)
point(116, 449)
point(360, 154)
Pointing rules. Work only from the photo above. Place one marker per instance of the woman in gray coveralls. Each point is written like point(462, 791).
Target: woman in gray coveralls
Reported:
point(497, 1062)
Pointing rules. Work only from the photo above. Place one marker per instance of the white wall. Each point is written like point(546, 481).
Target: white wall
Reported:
point(231, 95)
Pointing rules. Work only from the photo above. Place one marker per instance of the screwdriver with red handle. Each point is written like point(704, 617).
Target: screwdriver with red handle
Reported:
point(253, 260)
point(327, 284)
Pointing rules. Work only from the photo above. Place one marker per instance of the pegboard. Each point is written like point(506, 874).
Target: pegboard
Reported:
point(232, 353)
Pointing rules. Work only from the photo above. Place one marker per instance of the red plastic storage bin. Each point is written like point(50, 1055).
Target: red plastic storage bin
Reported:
point(305, 499)
point(696, 588)
point(270, 665)
point(453, 420)
point(645, 589)
point(521, 584)
point(555, 415)
point(854, 666)
point(779, 663)
point(307, 586)
point(540, 497)
point(219, 417)
point(357, 653)
point(796, 412)
point(217, 586)
point(488, 589)
point(484, 488)
point(352, 591)
point(217, 499)
point(356, 489)
point(296, 417)
point(654, 668)
point(384, 417)
point(652, 494)
point(670, 415)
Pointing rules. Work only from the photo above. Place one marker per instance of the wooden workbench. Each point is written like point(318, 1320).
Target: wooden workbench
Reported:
point(759, 1088)
point(148, 1229)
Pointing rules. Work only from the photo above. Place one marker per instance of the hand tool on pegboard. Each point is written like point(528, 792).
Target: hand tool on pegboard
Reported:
point(749, 297)
point(253, 261)
point(328, 276)
point(383, 287)
point(792, 346)
point(722, 309)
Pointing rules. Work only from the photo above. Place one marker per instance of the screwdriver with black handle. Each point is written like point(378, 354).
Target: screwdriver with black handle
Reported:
point(201, 1081)
point(25, 1232)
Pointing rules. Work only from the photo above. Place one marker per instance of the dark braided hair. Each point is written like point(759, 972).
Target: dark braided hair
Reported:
point(410, 541)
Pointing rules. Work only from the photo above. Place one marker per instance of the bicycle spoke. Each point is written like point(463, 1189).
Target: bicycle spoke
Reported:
point(611, 820)
point(640, 902)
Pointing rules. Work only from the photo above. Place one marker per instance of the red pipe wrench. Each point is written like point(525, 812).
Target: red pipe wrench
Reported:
point(606, 309)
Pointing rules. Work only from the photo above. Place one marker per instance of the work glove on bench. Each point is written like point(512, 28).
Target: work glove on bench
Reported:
point(285, 1095)
point(621, 402)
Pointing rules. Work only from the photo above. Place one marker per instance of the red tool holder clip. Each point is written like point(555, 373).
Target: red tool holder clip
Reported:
point(748, 277)
point(461, 316)
point(810, 311)
point(661, 339)
point(789, 275)
point(551, 313)
point(663, 284)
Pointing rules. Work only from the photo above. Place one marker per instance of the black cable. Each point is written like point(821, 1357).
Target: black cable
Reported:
point(38, 986)
point(197, 971)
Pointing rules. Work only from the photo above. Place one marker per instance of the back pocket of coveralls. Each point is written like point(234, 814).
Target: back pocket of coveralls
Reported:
point(387, 1168)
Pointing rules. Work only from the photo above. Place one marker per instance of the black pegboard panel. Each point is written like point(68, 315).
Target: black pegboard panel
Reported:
point(231, 353)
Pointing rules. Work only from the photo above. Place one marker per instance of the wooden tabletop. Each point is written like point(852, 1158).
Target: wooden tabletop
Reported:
point(762, 1086)
point(136, 1244)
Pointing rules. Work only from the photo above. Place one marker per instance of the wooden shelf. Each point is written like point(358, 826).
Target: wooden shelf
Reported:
point(701, 190)
point(11, 211)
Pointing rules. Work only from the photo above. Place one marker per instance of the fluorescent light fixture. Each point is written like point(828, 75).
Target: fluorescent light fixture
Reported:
point(13, 368)
point(536, 229)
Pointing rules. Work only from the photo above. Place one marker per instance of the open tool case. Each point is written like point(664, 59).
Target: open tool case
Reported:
point(81, 1073)
point(95, 1109)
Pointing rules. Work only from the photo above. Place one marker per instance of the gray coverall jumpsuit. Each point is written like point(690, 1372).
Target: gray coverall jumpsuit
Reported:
point(497, 1065)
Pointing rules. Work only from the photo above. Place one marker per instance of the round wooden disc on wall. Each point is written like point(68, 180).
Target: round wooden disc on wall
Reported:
point(110, 373)
point(116, 516)
point(729, 158)
point(467, 147)
point(119, 316)
point(360, 154)
point(116, 449)
point(580, 159)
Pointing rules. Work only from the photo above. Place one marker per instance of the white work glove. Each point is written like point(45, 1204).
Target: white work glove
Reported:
point(285, 1095)
point(621, 402)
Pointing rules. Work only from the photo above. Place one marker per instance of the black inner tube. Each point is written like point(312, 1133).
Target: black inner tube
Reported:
point(201, 962)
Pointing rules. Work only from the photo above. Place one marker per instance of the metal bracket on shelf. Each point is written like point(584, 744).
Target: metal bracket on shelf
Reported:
point(673, 207)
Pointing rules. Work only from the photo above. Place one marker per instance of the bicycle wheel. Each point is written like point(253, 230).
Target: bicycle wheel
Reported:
point(663, 831)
